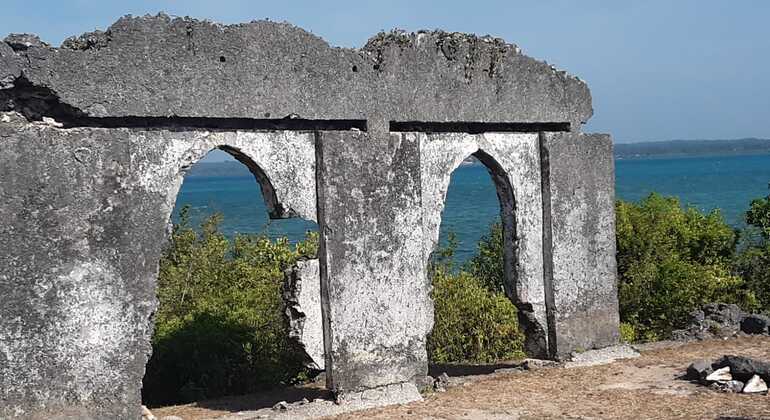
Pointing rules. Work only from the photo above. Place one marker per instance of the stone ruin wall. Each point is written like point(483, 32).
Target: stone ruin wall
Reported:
point(95, 137)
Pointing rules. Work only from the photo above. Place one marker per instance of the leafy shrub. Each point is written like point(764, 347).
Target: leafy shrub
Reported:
point(472, 324)
point(487, 264)
point(219, 328)
point(671, 261)
point(627, 333)
point(759, 216)
point(474, 321)
point(753, 265)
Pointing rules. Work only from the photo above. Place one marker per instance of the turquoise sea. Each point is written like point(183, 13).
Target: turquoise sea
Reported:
point(728, 183)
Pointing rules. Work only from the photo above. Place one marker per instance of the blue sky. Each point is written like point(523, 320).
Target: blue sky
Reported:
point(658, 70)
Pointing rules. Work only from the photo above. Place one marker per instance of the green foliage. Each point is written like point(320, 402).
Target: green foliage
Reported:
point(473, 324)
point(219, 328)
point(487, 264)
point(753, 265)
point(671, 261)
point(627, 333)
point(759, 216)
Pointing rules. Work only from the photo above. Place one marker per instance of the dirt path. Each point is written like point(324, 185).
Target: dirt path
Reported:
point(645, 387)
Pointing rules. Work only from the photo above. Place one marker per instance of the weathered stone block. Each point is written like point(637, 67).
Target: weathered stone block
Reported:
point(579, 219)
point(302, 297)
point(374, 288)
point(160, 66)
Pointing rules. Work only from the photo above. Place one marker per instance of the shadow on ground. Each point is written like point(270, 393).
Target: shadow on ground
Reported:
point(469, 370)
point(265, 399)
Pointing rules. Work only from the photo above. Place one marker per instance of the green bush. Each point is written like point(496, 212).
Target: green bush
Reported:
point(219, 328)
point(472, 324)
point(474, 321)
point(627, 333)
point(753, 265)
point(759, 216)
point(487, 264)
point(672, 261)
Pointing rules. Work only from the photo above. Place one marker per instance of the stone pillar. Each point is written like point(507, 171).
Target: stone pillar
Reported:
point(579, 241)
point(375, 294)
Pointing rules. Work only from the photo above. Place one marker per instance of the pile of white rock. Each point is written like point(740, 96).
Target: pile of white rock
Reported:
point(732, 374)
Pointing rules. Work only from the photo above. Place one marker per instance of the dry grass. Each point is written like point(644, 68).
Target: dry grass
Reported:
point(644, 388)
point(219, 407)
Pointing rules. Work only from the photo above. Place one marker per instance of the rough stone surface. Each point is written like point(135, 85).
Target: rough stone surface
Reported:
point(756, 324)
point(720, 375)
point(579, 195)
point(161, 66)
point(755, 384)
point(699, 370)
point(95, 137)
point(743, 368)
point(713, 320)
point(10, 68)
point(22, 42)
point(513, 161)
point(83, 219)
point(302, 299)
point(373, 279)
point(601, 356)
point(734, 386)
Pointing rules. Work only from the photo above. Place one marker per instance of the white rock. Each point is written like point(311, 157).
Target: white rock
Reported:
point(720, 375)
point(52, 122)
point(147, 414)
point(755, 384)
point(281, 406)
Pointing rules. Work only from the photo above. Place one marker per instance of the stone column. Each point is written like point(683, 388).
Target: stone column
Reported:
point(579, 240)
point(375, 294)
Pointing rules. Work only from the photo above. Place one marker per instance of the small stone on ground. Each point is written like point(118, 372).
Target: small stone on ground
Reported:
point(755, 384)
point(720, 375)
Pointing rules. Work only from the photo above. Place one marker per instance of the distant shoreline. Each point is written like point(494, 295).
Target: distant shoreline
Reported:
point(691, 148)
point(672, 149)
point(692, 156)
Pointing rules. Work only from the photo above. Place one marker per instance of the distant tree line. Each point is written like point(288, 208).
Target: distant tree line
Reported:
point(673, 148)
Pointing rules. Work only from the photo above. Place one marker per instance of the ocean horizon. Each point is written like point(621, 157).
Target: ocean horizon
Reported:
point(728, 183)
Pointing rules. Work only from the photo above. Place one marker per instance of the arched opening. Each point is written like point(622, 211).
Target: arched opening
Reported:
point(220, 327)
point(473, 271)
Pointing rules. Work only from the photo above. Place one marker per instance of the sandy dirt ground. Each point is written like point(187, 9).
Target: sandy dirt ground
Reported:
point(648, 387)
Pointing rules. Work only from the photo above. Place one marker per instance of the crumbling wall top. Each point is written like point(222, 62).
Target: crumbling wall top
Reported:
point(161, 66)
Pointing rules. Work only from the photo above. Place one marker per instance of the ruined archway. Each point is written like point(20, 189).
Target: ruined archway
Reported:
point(220, 329)
point(95, 132)
point(513, 163)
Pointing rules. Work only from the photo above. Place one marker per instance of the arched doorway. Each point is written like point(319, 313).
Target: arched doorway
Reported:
point(220, 327)
point(514, 260)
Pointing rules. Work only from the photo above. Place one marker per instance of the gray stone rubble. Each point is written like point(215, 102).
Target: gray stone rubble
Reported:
point(721, 320)
point(731, 373)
